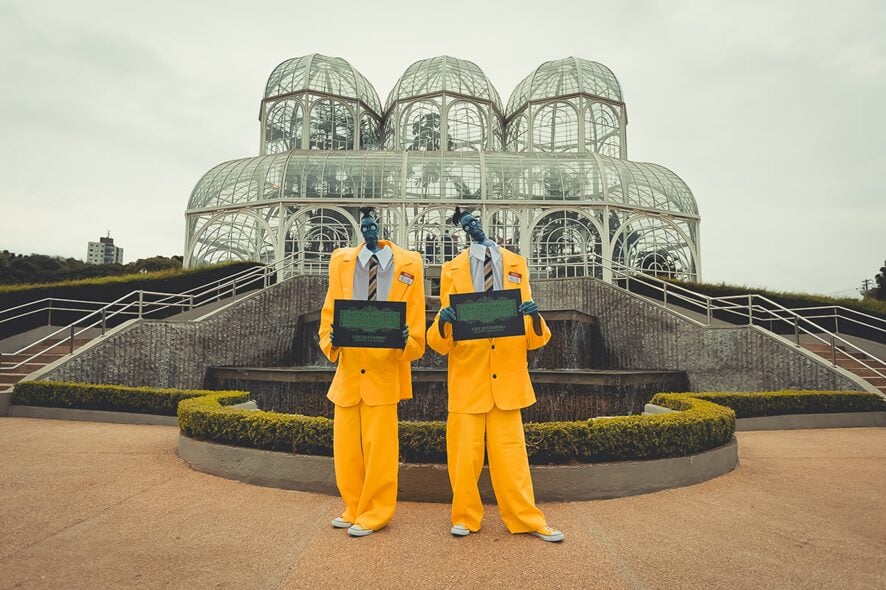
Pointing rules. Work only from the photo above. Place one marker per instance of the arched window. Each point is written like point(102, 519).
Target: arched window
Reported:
point(420, 127)
point(283, 127)
point(564, 244)
point(602, 132)
point(466, 126)
point(314, 234)
point(555, 128)
point(331, 126)
point(654, 246)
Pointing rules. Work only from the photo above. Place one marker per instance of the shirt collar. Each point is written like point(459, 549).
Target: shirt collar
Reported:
point(385, 256)
point(478, 251)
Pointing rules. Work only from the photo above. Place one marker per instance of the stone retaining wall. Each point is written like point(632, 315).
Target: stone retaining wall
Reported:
point(256, 331)
point(633, 334)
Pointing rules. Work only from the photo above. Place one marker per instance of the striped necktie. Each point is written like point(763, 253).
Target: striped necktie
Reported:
point(372, 292)
point(487, 272)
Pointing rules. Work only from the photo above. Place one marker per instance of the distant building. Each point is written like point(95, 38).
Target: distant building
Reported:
point(104, 252)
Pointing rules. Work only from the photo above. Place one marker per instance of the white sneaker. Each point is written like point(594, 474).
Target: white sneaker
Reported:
point(357, 531)
point(340, 523)
point(460, 530)
point(548, 534)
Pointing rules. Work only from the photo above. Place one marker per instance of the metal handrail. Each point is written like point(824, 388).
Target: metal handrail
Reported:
point(799, 323)
point(185, 300)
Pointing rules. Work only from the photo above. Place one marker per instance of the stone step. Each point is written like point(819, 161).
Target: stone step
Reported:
point(43, 358)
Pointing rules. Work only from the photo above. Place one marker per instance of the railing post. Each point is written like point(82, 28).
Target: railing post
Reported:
point(73, 329)
point(1, 360)
point(141, 303)
point(709, 311)
point(836, 323)
point(750, 310)
point(797, 330)
point(190, 306)
point(665, 297)
point(49, 315)
point(104, 320)
point(833, 351)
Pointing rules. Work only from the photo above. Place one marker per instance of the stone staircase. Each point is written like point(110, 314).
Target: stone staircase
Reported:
point(850, 360)
point(47, 352)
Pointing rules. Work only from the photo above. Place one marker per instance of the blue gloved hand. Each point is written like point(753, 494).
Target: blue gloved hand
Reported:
point(447, 314)
point(332, 338)
point(528, 308)
point(405, 334)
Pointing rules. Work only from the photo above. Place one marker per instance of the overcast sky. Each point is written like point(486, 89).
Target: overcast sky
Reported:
point(774, 113)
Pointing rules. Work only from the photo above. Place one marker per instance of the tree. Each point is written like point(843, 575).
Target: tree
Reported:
point(879, 292)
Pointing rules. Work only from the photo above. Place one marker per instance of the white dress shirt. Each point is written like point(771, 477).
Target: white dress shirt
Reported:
point(477, 256)
point(385, 273)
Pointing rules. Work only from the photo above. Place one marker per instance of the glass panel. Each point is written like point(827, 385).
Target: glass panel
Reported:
point(420, 126)
point(504, 229)
point(602, 132)
point(517, 140)
point(563, 244)
point(654, 245)
point(466, 126)
point(555, 128)
point(331, 126)
point(369, 133)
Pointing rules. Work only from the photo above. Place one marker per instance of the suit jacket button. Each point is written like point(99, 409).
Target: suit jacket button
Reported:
point(493, 347)
point(494, 376)
point(362, 371)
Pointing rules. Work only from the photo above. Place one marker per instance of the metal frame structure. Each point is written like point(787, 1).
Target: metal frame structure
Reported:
point(548, 175)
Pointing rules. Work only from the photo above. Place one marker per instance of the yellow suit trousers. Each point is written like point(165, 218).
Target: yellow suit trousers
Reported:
point(366, 466)
point(508, 469)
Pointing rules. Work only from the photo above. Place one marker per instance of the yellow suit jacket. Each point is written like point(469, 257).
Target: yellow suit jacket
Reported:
point(378, 376)
point(493, 370)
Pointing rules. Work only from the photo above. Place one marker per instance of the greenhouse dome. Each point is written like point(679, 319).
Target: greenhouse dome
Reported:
point(443, 103)
point(560, 192)
point(319, 102)
point(568, 105)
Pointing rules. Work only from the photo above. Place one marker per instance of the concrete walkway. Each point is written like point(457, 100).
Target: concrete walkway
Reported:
point(88, 505)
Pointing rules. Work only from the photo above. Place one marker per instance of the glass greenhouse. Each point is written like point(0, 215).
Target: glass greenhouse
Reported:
point(548, 174)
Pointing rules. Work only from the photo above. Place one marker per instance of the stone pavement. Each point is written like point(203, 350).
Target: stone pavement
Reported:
point(89, 505)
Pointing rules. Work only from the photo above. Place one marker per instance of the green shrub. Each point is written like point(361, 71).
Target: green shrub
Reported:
point(117, 398)
point(776, 403)
point(701, 426)
point(423, 442)
point(698, 427)
point(703, 421)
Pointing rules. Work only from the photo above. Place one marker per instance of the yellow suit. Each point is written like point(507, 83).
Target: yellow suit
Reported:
point(367, 385)
point(488, 384)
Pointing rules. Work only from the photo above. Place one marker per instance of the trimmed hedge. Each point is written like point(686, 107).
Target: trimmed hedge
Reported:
point(207, 418)
point(777, 403)
point(114, 398)
point(701, 426)
point(703, 421)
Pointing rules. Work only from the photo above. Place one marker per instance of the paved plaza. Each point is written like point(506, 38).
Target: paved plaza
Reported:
point(89, 505)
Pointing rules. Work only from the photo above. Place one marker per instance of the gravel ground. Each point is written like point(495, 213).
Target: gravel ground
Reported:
point(89, 505)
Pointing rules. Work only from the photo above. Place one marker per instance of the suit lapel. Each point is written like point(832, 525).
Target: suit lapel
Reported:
point(461, 273)
point(348, 264)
